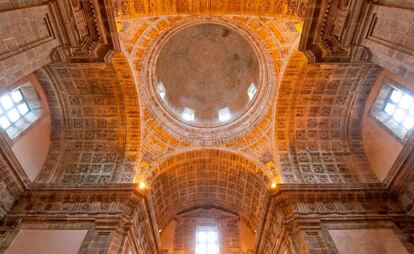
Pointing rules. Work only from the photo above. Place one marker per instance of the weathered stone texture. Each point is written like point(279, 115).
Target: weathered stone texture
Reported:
point(26, 42)
point(318, 122)
point(11, 187)
point(92, 122)
point(209, 178)
point(109, 216)
point(109, 131)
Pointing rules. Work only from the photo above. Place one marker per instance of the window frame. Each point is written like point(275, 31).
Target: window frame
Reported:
point(188, 112)
point(29, 87)
point(207, 228)
point(15, 107)
point(377, 110)
point(224, 112)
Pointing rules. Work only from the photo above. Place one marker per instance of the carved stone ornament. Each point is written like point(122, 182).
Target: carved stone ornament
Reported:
point(87, 31)
point(332, 30)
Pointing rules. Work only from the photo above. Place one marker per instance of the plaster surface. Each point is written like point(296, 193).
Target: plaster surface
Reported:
point(367, 241)
point(30, 241)
point(31, 149)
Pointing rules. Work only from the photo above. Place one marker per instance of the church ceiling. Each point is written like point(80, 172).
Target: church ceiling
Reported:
point(209, 178)
point(109, 126)
point(95, 123)
point(161, 138)
point(308, 132)
point(318, 122)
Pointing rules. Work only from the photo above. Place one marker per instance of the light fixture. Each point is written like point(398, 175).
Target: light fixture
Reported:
point(142, 185)
point(274, 185)
point(224, 114)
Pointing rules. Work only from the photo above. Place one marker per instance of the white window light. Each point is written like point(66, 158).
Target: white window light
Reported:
point(400, 106)
point(6, 102)
point(13, 107)
point(207, 240)
point(251, 91)
point(17, 96)
point(224, 114)
point(161, 89)
point(188, 114)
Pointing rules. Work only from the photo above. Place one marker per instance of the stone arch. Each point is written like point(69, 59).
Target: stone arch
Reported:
point(205, 179)
point(318, 122)
point(95, 123)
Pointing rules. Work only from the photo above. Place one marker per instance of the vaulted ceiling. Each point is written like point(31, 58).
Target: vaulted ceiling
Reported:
point(110, 126)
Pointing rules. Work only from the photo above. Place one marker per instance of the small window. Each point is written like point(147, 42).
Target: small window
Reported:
point(188, 114)
point(13, 107)
point(207, 240)
point(394, 108)
point(251, 91)
point(161, 89)
point(400, 106)
point(19, 109)
point(224, 114)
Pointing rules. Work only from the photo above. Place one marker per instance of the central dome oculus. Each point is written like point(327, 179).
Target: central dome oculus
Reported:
point(207, 75)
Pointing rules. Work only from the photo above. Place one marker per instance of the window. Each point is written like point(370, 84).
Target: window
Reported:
point(394, 109)
point(13, 107)
point(207, 241)
point(19, 109)
point(400, 106)
point(251, 91)
point(224, 114)
point(161, 89)
point(188, 114)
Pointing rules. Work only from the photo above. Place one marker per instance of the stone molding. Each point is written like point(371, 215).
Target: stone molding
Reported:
point(86, 29)
point(331, 31)
point(200, 135)
point(113, 211)
point(301, 214)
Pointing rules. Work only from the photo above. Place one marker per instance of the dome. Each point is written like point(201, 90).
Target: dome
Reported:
point(207, 75)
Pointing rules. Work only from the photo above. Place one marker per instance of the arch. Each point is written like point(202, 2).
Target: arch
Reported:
point(205, 179)
point(95, 123)
point(318, 122)
point(257, 166)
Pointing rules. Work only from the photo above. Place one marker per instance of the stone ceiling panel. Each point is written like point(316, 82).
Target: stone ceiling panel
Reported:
point(318, 122)
point(209, 178)
point(95, 123)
